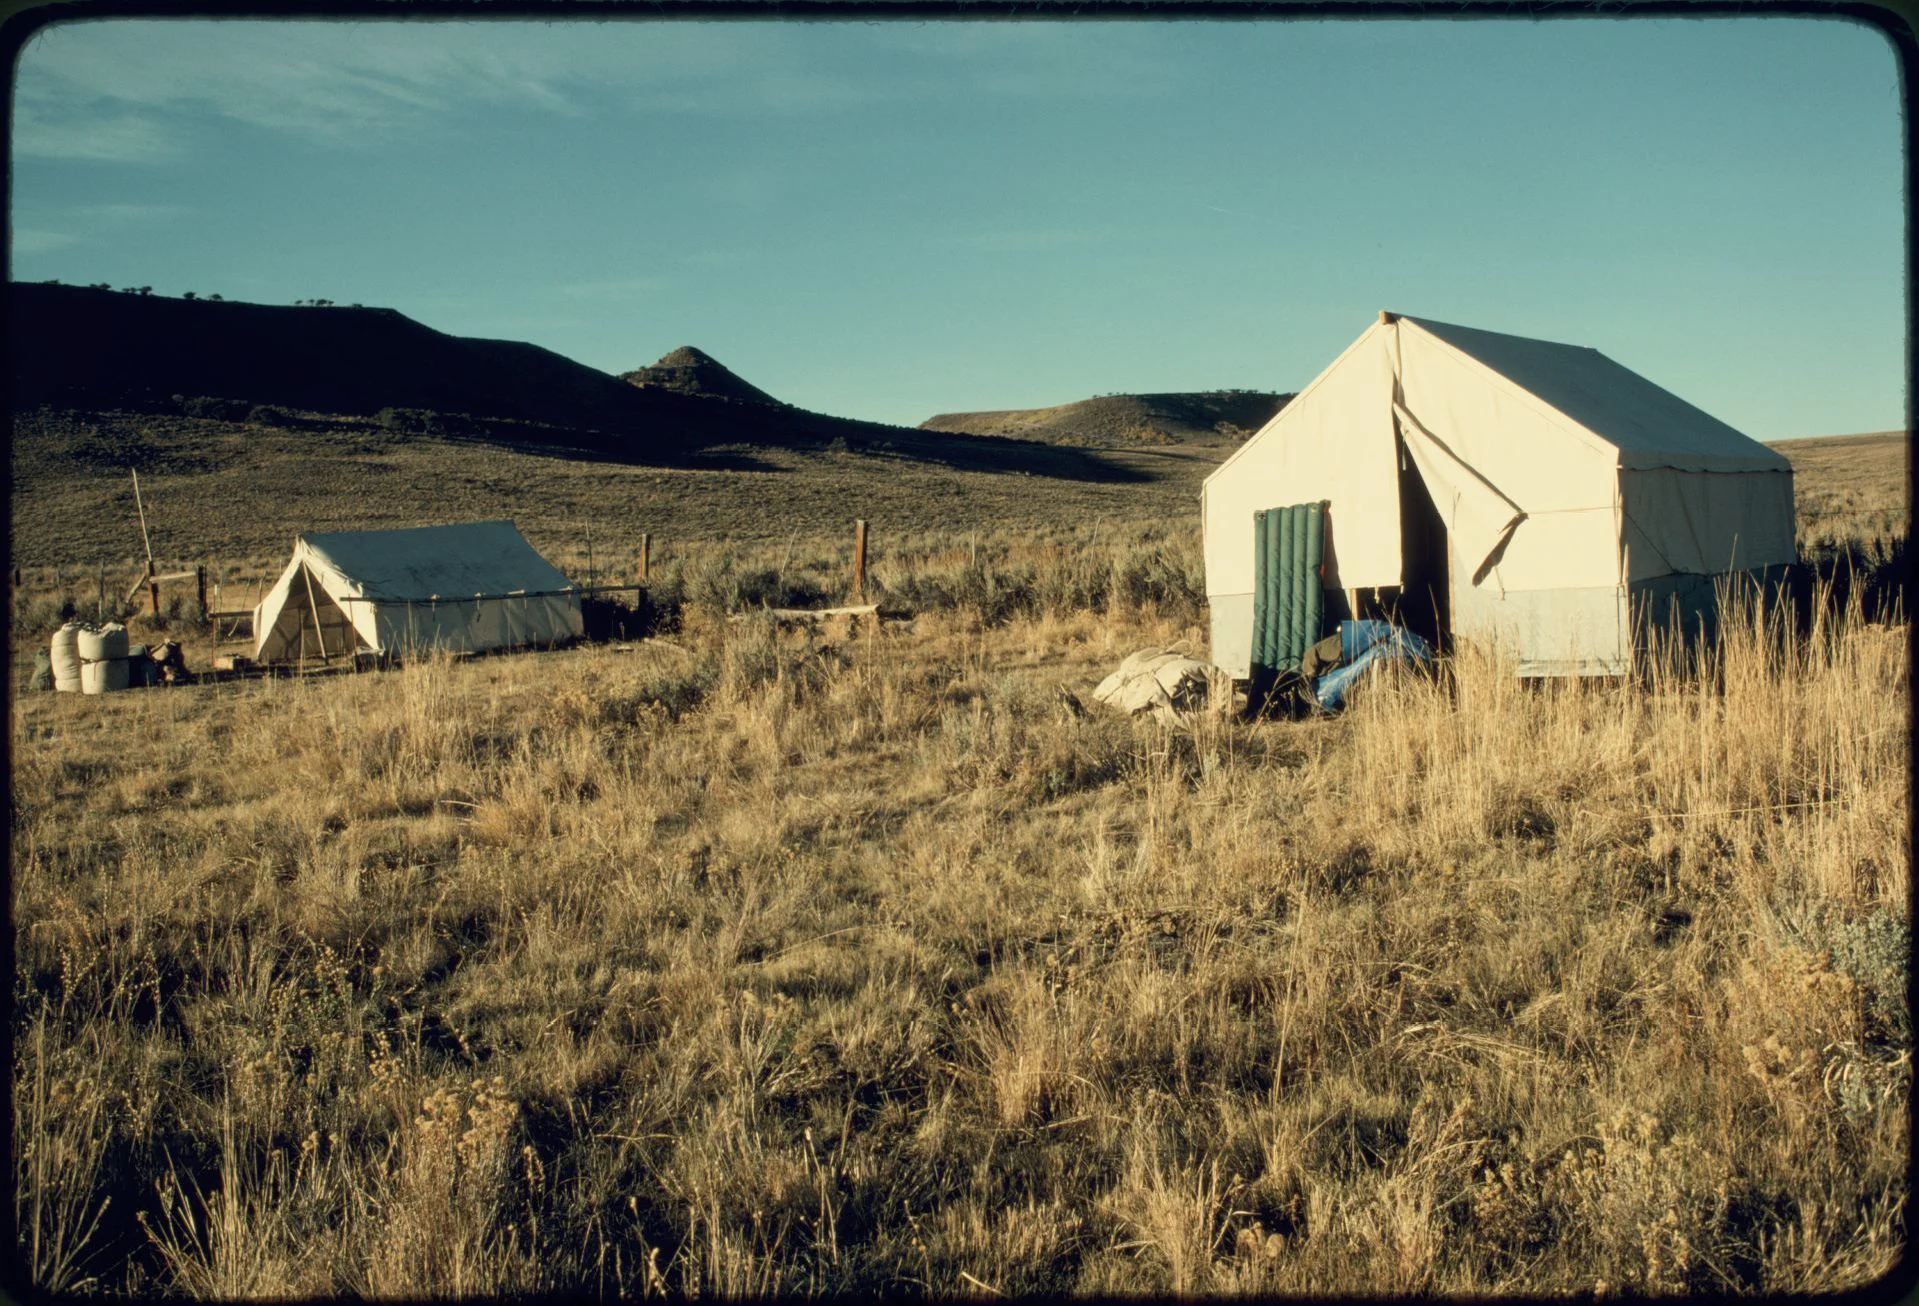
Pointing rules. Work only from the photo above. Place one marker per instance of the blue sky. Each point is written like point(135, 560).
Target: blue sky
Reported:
point(889, 220)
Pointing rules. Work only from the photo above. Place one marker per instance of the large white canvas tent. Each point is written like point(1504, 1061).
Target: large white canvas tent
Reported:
point(461, 588)
point(1495, 488)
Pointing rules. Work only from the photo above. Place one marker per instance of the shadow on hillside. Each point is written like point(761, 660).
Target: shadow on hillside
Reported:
point(591, 448)
point(734, 451)
point(991, 454)
point(706, 435)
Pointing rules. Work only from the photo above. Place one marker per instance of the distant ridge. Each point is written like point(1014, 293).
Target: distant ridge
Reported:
point(1170, 418)
point(72, 345)
point(225, 368)
point(692, 372)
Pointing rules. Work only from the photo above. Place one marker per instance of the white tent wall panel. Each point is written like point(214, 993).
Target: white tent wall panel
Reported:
point(1231, 621)
point(1333, 442)
point(275, 619)
point(1546, 632)
point(1556, 550)
point(1560, 610)
point(1702, 523)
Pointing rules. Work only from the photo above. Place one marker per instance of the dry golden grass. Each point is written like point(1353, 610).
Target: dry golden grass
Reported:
point(1850, 487)
point(752, 961)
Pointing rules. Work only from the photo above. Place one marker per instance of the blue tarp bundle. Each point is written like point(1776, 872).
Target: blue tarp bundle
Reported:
point(1362, 643)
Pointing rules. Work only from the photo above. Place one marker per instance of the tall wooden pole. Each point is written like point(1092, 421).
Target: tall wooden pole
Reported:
point(140, 507)
point(859, 558)
point(646, 557)
point(153, 588)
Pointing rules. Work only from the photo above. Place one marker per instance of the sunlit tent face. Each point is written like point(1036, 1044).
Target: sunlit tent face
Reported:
point(1495, 488)
point(462, 588)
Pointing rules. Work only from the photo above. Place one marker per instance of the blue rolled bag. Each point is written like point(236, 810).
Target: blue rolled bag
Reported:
point(1360, 645)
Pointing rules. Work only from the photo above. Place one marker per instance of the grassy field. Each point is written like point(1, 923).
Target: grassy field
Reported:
point(1850, 487)
point(748, 960)
point(231, 495)
point(232, 491)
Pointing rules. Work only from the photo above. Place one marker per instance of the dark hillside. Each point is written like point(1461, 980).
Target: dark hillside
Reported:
point(72, 346)
point(1173, 418)
point(76, 349)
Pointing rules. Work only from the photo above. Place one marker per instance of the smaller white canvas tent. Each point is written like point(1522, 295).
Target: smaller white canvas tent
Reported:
point(461, 588)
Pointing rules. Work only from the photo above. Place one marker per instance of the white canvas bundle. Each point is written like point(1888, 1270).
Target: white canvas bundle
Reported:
point(65, 655)
point(103, 659)
point(1155, 680)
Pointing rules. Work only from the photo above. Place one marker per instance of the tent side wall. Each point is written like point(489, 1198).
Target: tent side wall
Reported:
point(1690, 534)
point(1706, 523)
point(1333, 442)
point(478, 624)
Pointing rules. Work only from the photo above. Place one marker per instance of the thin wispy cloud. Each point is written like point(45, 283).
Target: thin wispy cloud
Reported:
point(120, 90)
point(138, 90)
point(75, 131)
point(618, 288)
point(42, 230)
point(130, 213)
point(27, 240)
point(1033, 240)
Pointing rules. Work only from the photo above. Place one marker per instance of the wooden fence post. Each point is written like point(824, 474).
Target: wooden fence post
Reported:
point(859, 558)
point(200, 578)
point(646, 557)
point(153, 590)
